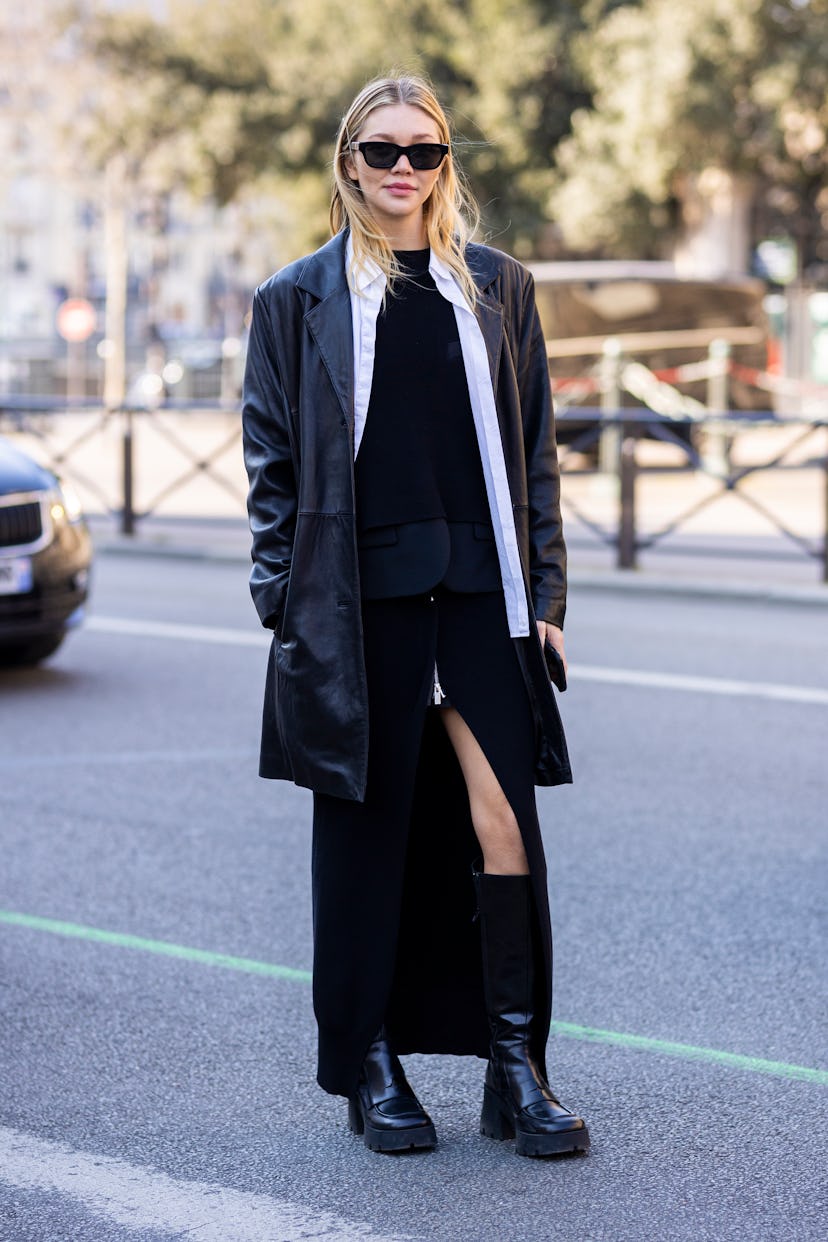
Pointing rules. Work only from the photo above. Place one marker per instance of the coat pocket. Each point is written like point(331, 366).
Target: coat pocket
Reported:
point(378, 537)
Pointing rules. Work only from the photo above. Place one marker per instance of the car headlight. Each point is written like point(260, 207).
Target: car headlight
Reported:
point(66, 505)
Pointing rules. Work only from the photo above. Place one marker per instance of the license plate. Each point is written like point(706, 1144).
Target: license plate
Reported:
point(15, 575)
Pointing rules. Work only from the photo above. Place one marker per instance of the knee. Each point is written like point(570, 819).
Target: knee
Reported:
point(494, 819)
point(499, 837)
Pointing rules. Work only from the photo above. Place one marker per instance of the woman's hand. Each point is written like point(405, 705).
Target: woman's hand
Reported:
point(553, 635)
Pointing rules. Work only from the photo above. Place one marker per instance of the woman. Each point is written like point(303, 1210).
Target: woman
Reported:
point(407, 553)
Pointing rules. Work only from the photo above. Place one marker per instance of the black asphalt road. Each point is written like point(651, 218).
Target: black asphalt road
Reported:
point(149, 1096)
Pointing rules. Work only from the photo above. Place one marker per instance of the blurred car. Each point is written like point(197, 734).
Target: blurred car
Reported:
point(45, 559)
point(658, 318)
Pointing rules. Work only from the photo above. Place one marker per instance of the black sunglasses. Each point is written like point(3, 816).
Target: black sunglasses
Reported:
point(422, 156)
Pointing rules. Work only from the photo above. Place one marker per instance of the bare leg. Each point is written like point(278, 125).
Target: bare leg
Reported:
point(493, 818)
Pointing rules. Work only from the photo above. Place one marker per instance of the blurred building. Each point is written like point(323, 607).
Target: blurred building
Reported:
point(192, 266)
point(192, 270)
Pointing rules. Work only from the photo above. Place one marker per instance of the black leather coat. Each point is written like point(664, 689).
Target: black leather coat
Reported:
point(299, 451)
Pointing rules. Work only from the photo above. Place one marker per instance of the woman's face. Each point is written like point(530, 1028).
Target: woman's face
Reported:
point(395, 196)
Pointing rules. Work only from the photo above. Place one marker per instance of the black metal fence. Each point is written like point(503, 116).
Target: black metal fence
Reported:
point(115, 488)
point(613, 438)
point(620, 435)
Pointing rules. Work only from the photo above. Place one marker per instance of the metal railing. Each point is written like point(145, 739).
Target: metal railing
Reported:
point(703, 434)
point(618, 435)
point(609, 435)
point(115, 487)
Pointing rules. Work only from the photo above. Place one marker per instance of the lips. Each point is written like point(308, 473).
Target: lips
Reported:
point(401, 187)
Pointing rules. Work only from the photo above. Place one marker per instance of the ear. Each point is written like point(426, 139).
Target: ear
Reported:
point(351, 168)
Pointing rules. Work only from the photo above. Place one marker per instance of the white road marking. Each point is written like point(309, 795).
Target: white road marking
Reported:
point(183, 633)
point(81, 759)
point(700, 685)
point(141, 1198)
point(585, 672)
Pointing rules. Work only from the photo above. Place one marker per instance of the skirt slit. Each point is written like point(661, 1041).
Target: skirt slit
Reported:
point(396, 939)
point(482, 678)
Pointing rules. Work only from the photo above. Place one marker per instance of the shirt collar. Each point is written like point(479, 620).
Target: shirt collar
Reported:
point(446, 282)
point(370, 274)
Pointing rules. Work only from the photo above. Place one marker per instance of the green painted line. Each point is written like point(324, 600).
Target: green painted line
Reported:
point(690, 1052)
point(164, 947)
point(569, 1030)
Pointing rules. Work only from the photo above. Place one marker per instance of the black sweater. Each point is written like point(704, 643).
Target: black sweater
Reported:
point(418, 458)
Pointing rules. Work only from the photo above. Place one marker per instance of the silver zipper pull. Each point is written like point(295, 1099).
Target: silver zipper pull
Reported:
point(438, 693)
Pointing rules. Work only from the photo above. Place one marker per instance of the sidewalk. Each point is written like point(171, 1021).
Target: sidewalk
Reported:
point(725, 566)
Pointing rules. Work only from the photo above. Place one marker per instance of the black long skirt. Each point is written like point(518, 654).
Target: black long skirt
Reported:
point(396, 939)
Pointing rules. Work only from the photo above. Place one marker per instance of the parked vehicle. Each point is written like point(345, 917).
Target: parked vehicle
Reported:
point(657, 320)
point(658, 317)
point(45, 559)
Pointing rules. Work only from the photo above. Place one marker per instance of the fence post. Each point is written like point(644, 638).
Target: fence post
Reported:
point(717, 450)
point(626, 539)
point(610, 442)
point(127, 477)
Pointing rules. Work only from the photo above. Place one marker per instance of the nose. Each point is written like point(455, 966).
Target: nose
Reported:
point(402, 164)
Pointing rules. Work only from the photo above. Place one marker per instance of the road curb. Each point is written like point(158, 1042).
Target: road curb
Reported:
point(622, 582)
point(173, 552)
point(626, 582)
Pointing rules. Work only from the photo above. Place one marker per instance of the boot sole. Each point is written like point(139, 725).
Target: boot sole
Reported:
point(418, 1138)
point(551, 1144)
point(499, 1124)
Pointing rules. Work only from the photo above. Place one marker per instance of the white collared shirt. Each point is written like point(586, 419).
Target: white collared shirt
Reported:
point(366, 300)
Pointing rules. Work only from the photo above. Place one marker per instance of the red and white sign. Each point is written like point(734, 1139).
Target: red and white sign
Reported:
point(76, 319)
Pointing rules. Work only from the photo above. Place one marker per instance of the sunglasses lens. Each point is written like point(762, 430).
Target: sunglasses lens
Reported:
point(379, 154)
point(425, 155)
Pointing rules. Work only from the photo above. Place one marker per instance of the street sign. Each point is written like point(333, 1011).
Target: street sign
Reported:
point(76, 319)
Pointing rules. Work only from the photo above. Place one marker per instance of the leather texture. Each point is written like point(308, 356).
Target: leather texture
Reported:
point(298, 445)
point(518, 1102)
point(385, 1109)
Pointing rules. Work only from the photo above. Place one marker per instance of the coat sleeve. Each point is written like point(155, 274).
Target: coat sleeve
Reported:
point(272, 498)
point(547, 550)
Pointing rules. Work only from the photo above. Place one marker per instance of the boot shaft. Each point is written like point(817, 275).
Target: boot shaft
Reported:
point(504, 904)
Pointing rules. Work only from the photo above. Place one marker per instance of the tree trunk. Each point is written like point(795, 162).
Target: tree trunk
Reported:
point(715, 210)
point(115, 205)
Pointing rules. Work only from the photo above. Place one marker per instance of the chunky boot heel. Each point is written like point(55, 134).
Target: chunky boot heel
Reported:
point(517, 1100)
point(494, 1123)
point(385, 1111)
point(355, 1122)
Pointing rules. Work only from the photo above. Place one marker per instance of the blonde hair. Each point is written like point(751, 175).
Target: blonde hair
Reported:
point(449, 213)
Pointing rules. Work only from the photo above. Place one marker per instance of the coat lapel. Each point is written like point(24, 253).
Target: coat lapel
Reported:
point(489, 309)
point(329, 323)
point(329, 318)
point(490, 317)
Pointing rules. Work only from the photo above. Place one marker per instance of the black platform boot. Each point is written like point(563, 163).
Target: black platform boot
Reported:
point(385, 1109)
point(517, 1101)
